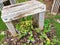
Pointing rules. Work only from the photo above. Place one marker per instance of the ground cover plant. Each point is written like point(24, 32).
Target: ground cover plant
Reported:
point(2, 29)
point(2, 25)
point(28, 35)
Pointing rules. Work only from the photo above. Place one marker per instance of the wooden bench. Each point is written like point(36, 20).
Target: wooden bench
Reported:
point(16, 11)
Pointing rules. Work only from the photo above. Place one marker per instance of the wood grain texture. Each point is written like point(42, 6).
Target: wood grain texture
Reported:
point(55, 7)
point(16, 11)
point(11, 28)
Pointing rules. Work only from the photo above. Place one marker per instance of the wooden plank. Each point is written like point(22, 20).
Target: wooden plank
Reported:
point(33, 12)
point(16, 13)
point(55, 7)
point(19, 4)
point(23, 8)
point(10, 18)
point(41, 20)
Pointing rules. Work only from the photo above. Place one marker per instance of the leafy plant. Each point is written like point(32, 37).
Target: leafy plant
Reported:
point(37, 30)
point(47, 26)
point(24, 44)
point(2, 24)
point(25, 27)
point(31, 37)
point(2, 35)
point(54, 41)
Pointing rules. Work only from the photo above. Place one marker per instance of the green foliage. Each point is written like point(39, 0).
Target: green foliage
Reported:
point(31, 37)
point(25, 27)
point(55, 41)
point(2, 35)
point(47, 26)
point(41, 0)
point(52, 20)
point(57, 16)
point(2, 25)
point(19, 1)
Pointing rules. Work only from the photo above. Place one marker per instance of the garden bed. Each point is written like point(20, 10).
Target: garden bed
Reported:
point(7, 39)
point(31, 35)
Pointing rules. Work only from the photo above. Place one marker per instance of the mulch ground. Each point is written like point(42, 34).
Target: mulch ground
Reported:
point(9, 40)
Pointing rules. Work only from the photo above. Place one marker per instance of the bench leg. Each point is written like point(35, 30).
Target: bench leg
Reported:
point(41, 20)
point(11, 28)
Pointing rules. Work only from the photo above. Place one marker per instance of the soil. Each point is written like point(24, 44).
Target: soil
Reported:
point(9, 40)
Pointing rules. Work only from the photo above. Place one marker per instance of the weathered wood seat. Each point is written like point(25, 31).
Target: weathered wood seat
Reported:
point(16, 11)
point(11, 12)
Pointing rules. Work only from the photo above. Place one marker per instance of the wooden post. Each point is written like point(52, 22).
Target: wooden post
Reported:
point(38, 20)
point(41, 20)
point(11, 28)
point(55, 7)
point(48, 4)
